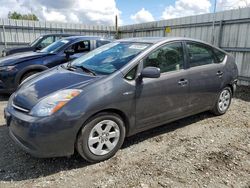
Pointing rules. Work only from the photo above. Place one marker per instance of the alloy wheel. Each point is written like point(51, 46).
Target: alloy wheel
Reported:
point(224, 100)
point(103, 137)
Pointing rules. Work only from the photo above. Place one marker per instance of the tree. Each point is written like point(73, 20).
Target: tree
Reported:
point(17, 16)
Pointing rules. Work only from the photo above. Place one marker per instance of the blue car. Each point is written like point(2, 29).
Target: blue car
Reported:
point(14, 69)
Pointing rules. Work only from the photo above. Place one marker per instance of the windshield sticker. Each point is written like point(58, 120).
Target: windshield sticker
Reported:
point(138, 47)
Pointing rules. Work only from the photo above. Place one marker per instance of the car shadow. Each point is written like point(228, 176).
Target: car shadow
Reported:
point(16, 165)
point(242, 93)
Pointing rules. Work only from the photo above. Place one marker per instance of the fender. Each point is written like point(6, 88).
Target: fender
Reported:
point(27, 69)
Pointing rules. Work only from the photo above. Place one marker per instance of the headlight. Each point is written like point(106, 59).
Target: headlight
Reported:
point(7, 68)
point(54, 102)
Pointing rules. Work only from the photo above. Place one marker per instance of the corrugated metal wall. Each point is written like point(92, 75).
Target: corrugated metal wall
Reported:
point(20, 32)
point(231, 32)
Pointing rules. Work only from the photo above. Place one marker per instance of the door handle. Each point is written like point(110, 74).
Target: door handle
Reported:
point(183, 82)
point(219, 73)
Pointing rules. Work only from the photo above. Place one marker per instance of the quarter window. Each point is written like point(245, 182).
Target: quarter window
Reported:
point(200, 55)
point(168, 58)
point(131, 74)
point(220, 55)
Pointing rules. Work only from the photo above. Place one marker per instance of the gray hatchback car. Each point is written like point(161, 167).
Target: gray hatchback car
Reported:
point(117, 90)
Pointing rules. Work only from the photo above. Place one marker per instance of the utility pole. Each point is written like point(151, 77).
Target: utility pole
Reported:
point(213, 27)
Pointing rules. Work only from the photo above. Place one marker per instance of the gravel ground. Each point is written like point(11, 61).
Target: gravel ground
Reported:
point(199, 151)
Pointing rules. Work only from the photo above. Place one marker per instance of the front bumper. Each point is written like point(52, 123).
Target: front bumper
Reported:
point(41, 137)
point(7, 81)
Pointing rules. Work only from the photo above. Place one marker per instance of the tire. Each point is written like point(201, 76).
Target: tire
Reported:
point(101, 137)
point(27, 75)
point(223, 101)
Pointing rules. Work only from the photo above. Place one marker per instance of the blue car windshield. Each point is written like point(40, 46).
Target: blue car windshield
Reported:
point(35, 41)
point(110, 57)
point(54, 47)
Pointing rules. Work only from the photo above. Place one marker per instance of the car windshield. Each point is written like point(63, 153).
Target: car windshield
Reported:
point(54, 47)
point(110, 57)
point(35, 41)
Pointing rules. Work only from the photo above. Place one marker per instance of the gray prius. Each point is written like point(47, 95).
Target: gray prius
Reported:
point(91, 104)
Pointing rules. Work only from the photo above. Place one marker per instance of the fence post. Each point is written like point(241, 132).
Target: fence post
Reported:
point(220, 33)
point(4, 37)
point(134, 33)
point(164, 32)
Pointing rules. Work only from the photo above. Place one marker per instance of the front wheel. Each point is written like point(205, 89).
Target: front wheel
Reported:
point(27, 75)
point(223, 101)
point(101, 137)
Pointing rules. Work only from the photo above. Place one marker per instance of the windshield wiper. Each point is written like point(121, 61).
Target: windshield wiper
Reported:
point(70, 67)
point(87, 70)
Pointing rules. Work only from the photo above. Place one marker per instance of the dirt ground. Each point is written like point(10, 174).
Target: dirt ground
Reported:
point(199, 151)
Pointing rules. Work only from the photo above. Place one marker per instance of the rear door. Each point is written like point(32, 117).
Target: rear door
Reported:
point(205, 76)
point(159, 100)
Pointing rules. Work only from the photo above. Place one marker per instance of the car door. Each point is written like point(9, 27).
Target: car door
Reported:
point(205, 76)
point(160, 100)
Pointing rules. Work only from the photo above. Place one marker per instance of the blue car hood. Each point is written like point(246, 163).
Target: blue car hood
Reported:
point(48, 82)
point(19, 58)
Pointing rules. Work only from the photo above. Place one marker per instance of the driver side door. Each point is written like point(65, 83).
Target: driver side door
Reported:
point(160, 100)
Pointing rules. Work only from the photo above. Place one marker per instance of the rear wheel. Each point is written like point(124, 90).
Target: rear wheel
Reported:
point(27, 75)
point(101, 137)
point(223, 101)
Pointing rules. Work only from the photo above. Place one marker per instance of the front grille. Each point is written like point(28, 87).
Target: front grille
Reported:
point(19, 108)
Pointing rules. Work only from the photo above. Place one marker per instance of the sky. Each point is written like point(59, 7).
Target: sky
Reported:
point(102, 12)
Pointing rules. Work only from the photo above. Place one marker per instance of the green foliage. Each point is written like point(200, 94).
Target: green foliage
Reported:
point(17, 16)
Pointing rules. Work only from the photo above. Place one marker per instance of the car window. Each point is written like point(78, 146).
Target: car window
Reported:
point(101, 42)
point(46, 42)
point(168, 58)
point(131, 74)
point(199, 54)
point(59, 37)
point(36, 41)
point(80, 47)
point(56, 46)
point(220, 55)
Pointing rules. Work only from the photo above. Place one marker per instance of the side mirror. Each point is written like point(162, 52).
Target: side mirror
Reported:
point(151, 72)
point(69, 52)
point(38, 47)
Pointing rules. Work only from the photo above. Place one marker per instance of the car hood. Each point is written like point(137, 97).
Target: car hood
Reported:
point(19, 58)
point(46, 83)
point(18, 48)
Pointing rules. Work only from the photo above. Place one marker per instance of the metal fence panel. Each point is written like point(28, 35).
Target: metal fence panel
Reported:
point(20, 32)
point(231, 32)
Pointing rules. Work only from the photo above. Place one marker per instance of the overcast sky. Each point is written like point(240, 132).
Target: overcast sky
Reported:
point(104, 11)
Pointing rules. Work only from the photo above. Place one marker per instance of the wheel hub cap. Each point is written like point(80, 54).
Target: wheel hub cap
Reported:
point(103, 137)
point(224, 100)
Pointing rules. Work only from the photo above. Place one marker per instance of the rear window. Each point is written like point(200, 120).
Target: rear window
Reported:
point(219, 55)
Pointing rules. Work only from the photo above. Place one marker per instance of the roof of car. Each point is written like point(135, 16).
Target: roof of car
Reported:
point(58, 34)
point(157, 39)
point(86, 37)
